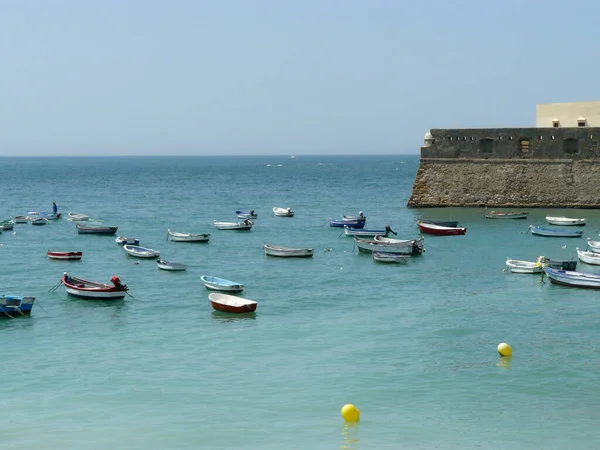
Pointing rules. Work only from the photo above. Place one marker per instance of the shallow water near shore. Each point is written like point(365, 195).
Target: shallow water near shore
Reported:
point(413, 345)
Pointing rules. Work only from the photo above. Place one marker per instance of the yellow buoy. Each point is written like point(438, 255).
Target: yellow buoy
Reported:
point(504, 349)
point(350, 413)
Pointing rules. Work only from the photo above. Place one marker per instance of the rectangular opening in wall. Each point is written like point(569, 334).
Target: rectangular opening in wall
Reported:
point(524, 143)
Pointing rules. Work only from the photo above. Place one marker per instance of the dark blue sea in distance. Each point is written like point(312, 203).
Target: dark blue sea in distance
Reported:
point(413, 346)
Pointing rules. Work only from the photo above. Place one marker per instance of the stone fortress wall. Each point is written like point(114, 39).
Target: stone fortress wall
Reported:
point(510, 167)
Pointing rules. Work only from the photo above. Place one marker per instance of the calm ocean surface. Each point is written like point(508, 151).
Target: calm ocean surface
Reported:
point(412, 346)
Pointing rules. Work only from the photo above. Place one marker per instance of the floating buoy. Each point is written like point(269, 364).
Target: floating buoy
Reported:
point(504, 349)
point(350, 413)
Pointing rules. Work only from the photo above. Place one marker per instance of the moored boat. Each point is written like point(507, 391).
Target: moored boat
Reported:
point(75, 217)
point(140, 252)
point(122, 240)
point(95, 229)
point(231, 303)
point(245, 225)
point(287, 252)
point(73, 256)
point(221, 284)
point(39, 221)
point(80, 288)
point(593, 245)
point(352, 223)
point(562, 264)
point(187, 237)
point(7, 224)
point(554, 232)
point(170, 265)
point(565, 221)
point(283, 212)
point(439, 230)
point(399, 246)
point(506, 215)
point(388, 257)
point(246, 214)
point(15, 305)
point(589, 257)
point(21, 219)
point(572, 278)
point(351, 231)
point(443, 223)
point(519, 266)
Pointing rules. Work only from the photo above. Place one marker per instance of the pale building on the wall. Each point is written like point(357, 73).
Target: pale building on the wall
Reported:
point(565, 115)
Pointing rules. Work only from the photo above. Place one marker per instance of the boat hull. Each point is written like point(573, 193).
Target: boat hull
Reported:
point(220, 284)
point(408, 247)
point(287, 252)
point(573, 279)
point(443, 223)
point(283, 212)
point(89, 290)
point(517, 266)
point(188, 237)
point(140, 252)
point(12, 306)
point(72, 256)
point(386, 257)
point(565, 221)
point(438, 230)
point(170, 265)
point(506, 215)
point(84, 229)
point(549, 232)
point(230, 304)
point(239, 226)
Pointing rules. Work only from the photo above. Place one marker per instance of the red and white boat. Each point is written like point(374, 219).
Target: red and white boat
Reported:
point(231, 303)
point(91, 290)
point(431, 228)
point(74, 256)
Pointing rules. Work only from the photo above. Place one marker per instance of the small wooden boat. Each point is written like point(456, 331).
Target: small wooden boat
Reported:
point(72, 256)
point(352, 223)
point(91, 290)
point(518, 266)
point(562, 264)
point(589, 257)
point(388, 257)
point(351, 231)
point(15, 305)
point(594, 246)
point(565, 221)
point(246, 225)
point(283, 212)
point(7, 224)
point(221, 284)
point(440, 230)
point(398, 246)
point(170, 265)
point(287, 252)
point(360, 216)
point(443, 223)
point(21, 219)
point(75, 217)
point(553, 232)
point(572, 278)
point(140, 252)
point(39, 221)
point(506, 215)
point(95, 229)
point(122, 240)
point(246, 214)
point(231, 304)
point(187, 237)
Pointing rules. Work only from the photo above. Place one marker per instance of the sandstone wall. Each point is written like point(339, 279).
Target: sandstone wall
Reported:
point(516, 167)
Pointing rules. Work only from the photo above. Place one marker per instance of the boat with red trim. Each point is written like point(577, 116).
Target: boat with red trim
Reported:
point(73, 256)
point(80, 288)
point(439, 230)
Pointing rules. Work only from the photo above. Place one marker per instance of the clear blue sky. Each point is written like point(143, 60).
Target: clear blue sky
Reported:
point(151, 77)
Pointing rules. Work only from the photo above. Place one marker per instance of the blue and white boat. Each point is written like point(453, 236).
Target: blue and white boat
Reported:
point(555, 232)
point(352, 223)
point(14, 305)
point(221, 284)
point(572, 278)
point(246, 214)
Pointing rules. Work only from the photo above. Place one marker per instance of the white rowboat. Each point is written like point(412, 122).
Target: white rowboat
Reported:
point(589, 257)
point(246, 225)
point(564, 221)
point(275, 250)
point(283, 212)
point(187, 237)
point(170, 265)
point(518, 266)
point(140, 252)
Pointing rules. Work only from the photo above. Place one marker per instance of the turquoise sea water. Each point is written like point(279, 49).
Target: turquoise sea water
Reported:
point(412, 346)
